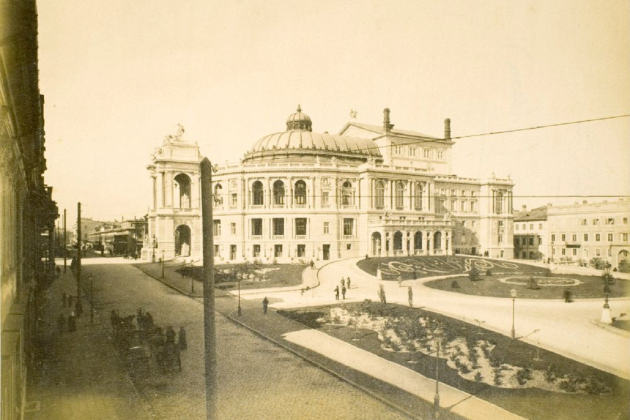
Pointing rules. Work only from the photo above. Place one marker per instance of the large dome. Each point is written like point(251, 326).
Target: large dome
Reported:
point(300, 140)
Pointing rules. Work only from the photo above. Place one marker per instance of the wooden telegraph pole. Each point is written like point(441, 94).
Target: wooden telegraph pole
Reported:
point(79, 252)
point(65, 241)
point(208, 290)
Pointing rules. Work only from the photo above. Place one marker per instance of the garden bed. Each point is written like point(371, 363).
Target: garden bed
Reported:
point(550, 286)
point(514, 375)
point(251, 276)
point(408, 268)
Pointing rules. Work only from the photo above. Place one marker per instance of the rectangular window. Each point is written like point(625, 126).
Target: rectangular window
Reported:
point(625, 220)
point(574, 237)
point(524, 226)
point(553, 238)
point(301, 251)
point(440, 154)
point(256, 253)
point(348, 227)
point(531, 241)
point(233, 228)
point(277, 251)
point(217, 250)
point(473, 223)
point(516, 226)
point(473, 206)
point(300, 226)
point(597, 253)
point(539, 225)
point(595, 222)
point(610, 221)
point(598, 237)
point(624, 237)
point(564, 251)
point(531, 226)
point(278, 227)
point(216, 228)
point(586, 237)
point(574, 251)
point(398, 150)
point(257, 227)
point(426, 153)
point(412, 151)
point(500, 223)
point(553, 251)
point(500, 240)
point(610, 237)
point(326, 228)
point(234, 199)
point(325, 198)
point(232, 252)
point(564, 237)
point(584, 222)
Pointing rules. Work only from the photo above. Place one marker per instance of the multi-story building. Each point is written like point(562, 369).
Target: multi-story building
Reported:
point(582, 231)
point(301, 195)
point(88, 227)
point(530, 234)
point(27, 211)
point(124, 238)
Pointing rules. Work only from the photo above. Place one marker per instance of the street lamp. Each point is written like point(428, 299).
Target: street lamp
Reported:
point(162, 263)
point(437, 337)
point(513, 293)
point(240, 312)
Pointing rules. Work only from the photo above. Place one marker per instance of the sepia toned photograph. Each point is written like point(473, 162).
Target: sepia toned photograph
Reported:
point(315, 210)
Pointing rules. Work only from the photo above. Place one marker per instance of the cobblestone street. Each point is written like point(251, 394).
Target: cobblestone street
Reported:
point(257, 379)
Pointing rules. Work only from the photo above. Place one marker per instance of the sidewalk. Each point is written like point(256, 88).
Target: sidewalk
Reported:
point(69, 384)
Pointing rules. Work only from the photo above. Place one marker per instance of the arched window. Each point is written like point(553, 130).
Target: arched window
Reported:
point(278, 193)
point(347, 194)
point(183, 184)
point(398, 240)
point(417, 198)
point(400, 194)
point(499, 202)
point(218, 199)
point(380, 195)
point(257, 194)
point(417, 240)
point(300, 193)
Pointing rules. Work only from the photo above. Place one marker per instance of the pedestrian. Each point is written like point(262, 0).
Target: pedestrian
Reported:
point(181, 339)
point(567, 296)
point(336, 292)
point(343, 282)
point(72, 322)
point(61, 323)
point(348, 282)
point(410, 296)
point(399, 278)
point(170, 334)
point(78, 307)
point(343, 292)
point(265, 303)
point(312, 265)
point(64, 299)
point(148, 321)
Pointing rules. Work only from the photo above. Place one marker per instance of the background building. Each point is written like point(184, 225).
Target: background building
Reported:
point(27, 211)
point(302, 195)
point(124, 238)
point(88, 227)
point(582, 231)
point(531, 239)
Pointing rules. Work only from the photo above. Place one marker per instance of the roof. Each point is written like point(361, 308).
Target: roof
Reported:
point(307, 140)
point(380, 130)
point(538, 213)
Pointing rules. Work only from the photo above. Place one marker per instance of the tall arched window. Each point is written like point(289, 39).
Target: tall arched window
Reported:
point(380, 195)
point(347, 194)
point(257, 194)
point(499, 202)
point(278, 193)
point(218, 199)
point(398, 240)
point(400, 194)
point(183, 184)
point(300, 193)
point(417, 198)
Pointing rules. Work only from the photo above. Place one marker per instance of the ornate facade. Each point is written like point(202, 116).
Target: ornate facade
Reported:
point(302, 195)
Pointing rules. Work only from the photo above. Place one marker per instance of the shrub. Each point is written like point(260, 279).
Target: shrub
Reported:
point(464, 368)
point(474, 274)
point(498, 378)
point(478, 377)
point(532, 284)
point(488, 272)
point(454, 284)
point(599, 263)
point(624, 266)
point(523, 375)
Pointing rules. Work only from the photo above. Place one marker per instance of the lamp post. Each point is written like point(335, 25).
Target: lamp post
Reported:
point(437, 337)
point(240, 312)
point(162, 263)
point(513, 293)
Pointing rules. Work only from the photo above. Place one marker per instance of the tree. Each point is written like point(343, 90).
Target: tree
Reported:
point(464, 239)
point(474, 274)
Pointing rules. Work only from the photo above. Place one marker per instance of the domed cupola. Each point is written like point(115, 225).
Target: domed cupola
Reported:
point(299, 121)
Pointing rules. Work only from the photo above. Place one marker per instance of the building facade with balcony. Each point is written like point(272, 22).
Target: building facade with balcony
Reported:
point(301, 195)
point(582, 231)
point(531, 239)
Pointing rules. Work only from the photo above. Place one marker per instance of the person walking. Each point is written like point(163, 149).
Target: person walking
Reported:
point(410, 296)
point(181, 339)
point(343, 282)
point(170, 334)
point(343, 292)
point(348, 282)
point(265, 303)
point(336, 292)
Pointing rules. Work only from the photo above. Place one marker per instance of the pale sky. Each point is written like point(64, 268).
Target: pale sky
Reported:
point(119, 75)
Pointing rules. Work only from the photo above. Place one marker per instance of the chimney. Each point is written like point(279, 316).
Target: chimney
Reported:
point(447, 129)
point(584, 201)
point(386, 123)
point(524, 207)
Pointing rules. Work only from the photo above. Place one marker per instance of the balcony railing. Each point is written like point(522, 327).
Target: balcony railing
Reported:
point(277, 237)
point(256, 237)
point(300, 236)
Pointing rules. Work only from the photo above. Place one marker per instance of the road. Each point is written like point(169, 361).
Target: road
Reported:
point(257, 379)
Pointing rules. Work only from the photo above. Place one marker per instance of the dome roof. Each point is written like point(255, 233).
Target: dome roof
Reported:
point(300, 140)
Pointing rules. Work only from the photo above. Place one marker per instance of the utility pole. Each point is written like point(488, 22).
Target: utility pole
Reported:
point(78, 252)
point(65, 242)
point(208, 290)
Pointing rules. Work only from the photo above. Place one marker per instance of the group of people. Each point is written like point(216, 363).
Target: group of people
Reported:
point(343, 289)
point(69, 324)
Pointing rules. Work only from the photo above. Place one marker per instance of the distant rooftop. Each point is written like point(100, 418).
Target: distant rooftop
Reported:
point(538, 213)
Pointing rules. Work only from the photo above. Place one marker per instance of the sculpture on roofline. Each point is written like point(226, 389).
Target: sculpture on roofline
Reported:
point(175, 137)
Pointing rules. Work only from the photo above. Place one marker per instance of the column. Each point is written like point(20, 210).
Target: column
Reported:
point(428, 237)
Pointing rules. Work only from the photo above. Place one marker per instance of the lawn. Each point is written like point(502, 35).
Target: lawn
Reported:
point(533, 383)
point(501, 285)
point(428, 266)
point(262, 276)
